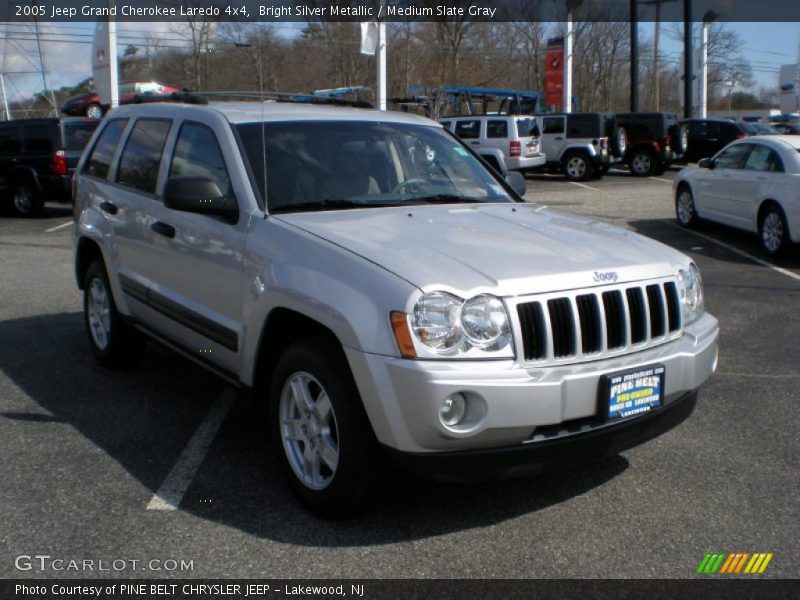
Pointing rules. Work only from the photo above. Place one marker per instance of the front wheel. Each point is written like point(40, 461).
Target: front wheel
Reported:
point(114, 342)
point(773, 231)
point(685, 209)
point(577, 167)
point(321, 433)
point(27, 201)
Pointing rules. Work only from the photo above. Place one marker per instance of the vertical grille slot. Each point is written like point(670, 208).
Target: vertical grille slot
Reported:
point(591, 328)
point(563, 325)
point(673, 306)
point(637, 314)
point(654, 300)
point(615, 319)
point(534, 332)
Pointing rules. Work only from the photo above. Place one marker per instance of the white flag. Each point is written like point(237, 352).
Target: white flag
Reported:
point(369, 37)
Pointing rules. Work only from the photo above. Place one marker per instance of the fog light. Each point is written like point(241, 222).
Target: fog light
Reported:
point(453, 410)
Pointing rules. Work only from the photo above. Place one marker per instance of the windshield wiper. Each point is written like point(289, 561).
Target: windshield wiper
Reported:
point(320, 205)
point(445, 199)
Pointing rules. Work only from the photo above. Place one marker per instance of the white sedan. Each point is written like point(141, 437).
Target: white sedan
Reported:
point(751, 184)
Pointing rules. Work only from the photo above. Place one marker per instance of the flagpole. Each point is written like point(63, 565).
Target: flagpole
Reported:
point(380, 60)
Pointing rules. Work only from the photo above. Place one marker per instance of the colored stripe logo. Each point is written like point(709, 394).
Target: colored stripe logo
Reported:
point(734, 563)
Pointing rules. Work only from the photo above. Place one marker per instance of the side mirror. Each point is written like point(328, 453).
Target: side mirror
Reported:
point(199, 195)
point(516, 180)
point(705, 163)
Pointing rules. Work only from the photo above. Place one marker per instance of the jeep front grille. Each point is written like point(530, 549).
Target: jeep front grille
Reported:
point(591, 323)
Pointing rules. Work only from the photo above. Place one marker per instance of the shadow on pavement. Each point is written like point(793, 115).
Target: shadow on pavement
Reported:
point(143, 418)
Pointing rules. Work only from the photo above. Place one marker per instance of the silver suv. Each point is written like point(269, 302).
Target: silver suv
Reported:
point(506, 142)
point(381, 294)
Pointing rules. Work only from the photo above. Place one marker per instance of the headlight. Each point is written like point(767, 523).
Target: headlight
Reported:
point(437, 321)
point(484, 321)
point(690, 289)
point(443, 325)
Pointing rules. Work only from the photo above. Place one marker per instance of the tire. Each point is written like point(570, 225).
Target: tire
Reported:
point(619, 142)
point(320, 431)
point(115, 344)
point(577, 166)
point(685, 210)
point(680, 140)
point(642, 163)
point(27, 201)
point(773, 231)
point(94, 111)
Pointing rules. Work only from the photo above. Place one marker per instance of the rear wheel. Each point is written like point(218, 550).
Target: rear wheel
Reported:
point(94, 111)
point(773, 231)
point(27, 200)
point(577, 166)
point(321, 433)
point(114, 342)
point(642, 163)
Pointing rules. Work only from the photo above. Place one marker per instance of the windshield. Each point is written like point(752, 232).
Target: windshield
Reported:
point(319, 165)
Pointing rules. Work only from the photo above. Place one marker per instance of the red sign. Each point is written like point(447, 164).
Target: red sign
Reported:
point(554, 76)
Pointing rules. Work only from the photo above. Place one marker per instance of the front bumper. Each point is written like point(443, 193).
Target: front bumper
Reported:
point(546, 455)
point(515, 402)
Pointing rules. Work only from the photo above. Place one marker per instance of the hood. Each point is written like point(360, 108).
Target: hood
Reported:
point(504, 249)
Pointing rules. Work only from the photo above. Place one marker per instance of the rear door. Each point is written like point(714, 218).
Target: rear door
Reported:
point(554, 134)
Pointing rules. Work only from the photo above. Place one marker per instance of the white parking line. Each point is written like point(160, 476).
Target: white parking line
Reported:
point(746, 255)
point(588, 187)
point(660, 179)
point(170, 494)
point(57, 227)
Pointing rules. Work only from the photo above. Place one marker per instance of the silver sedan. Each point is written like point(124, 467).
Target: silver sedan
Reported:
point(751, 184)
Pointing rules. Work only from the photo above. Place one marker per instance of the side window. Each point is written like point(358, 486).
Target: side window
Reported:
point(9, 140)
point(99, 160)
point(138, 165)
point(758, 159)
point(496, 129)
point(731, 158)
point(38, 139)
point(553, 124)
point(468, 130)
point(197, 154)
point(775, 163)
point(582, 126)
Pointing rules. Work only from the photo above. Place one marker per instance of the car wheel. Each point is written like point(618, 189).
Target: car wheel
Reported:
point(685, 209)
point(642, 164)
point(773, 231)
point(27, 201)
point(320, 431)
point(94, 111)
point(114, 342)
point(577, 167)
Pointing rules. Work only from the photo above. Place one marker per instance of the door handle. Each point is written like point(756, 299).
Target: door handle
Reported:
point(164, 229)
point(109, 207)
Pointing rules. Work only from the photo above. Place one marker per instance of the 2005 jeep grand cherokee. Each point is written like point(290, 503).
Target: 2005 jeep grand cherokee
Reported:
point(381, 294)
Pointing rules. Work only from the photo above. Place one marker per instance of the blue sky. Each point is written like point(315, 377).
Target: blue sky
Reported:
point(766, 45)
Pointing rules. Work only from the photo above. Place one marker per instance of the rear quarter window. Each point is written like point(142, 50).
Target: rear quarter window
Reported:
point(582, 126)
point(496, 129)
point(99, 161)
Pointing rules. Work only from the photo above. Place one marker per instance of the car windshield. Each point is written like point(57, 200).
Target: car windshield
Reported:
point(325, 165)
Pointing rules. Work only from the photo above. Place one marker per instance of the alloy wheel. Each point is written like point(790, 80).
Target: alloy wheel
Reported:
point(99, 314)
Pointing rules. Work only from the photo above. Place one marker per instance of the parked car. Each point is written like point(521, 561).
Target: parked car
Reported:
point(709, 136)
point(506, 142)
point(381, 294)
point(654, 141)
point(787, 128)
point(37, 159)
point(753, 184)
point(90, 105)
point(581, 145)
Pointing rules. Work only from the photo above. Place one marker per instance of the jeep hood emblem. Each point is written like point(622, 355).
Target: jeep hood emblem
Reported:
point(605, 276)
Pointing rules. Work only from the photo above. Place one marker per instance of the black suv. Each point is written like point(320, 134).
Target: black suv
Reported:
point(654, 141)
point(709, 136)
point(37, 157)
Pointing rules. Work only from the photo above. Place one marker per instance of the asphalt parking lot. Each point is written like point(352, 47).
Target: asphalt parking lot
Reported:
point(85, 450)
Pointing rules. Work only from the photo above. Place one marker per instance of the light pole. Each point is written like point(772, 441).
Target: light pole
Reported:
point(708, 18)
point(569, 40)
